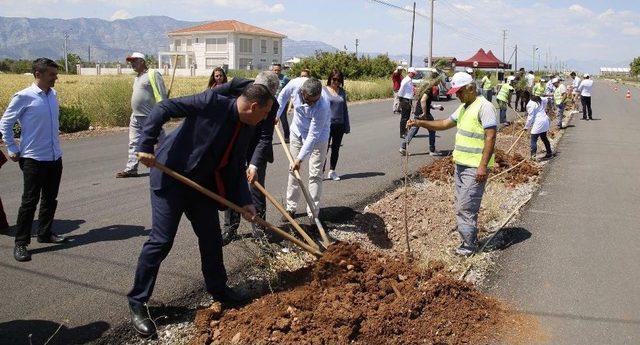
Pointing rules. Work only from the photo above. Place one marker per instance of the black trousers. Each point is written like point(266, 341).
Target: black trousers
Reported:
point(232, 218)
point(545, 141)
point(41, 183)
point(285, 124)
point(3, 218)
point(405, 113)
point(524, 99)
point(586, 107)
point(167, 208)
point(336, 134)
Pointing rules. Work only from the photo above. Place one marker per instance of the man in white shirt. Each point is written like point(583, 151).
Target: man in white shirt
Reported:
point(530, 77)
point(585, 97)
point(574, 90)
point(309, 139)
point(405, 96)
point(39, 154)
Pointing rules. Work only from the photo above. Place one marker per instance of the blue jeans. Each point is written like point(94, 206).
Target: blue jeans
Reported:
point(560, 114)
point(503, 111)
point(414, 130)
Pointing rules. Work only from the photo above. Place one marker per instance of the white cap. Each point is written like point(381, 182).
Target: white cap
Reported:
point(586, 75)
point(542, 80)
point(411, 70)
point(135, 55)
point(555, 80)
point(510, 78)
point(469, 70)
point(459, 80)
point(399, 67)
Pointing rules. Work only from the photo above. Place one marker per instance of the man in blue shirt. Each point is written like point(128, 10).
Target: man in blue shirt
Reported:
point(39, 155)
point(309, 135)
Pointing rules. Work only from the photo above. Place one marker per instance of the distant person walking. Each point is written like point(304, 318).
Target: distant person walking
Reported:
point(504, 99)
point(424, 105)
point(218, 77)
point(148, 89)
point(339, 118)
point(538, 122)
point(560, 99)
point(585, 97)
point(284, 80)
point(39, 154)
point(405, 96)
point(396, 79)
point(487, 87)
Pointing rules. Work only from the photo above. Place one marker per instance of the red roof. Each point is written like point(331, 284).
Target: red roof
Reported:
point(228, 26)
point(483, 60)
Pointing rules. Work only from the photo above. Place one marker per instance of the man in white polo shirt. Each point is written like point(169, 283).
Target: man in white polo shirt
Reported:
point(405, 97)
point(585, 97)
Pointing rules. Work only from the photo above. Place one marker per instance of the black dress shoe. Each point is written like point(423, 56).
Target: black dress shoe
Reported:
point(229, 236)
point(228, 296)
point(53, 238)
point(20, 253)
point(141, 320)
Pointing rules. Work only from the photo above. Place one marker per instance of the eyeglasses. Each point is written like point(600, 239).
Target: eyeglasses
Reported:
point(308, 100)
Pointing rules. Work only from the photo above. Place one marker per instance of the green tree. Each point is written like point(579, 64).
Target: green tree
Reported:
point(151, 61)
point(635, 66)
point(73, 60)
point(349, 64)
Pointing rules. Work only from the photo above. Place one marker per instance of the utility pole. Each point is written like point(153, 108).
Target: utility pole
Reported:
point(533, 58)
point(89, 53)
point(357, 43)
point(504, 42)
point(66, 54)
point(547, 59)
point(516, 64)
point(413, 26)
point(430, 61)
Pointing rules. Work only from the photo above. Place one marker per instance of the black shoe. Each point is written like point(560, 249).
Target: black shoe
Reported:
point(21, 254)
point(228, 296)
point(284, 219)
point(229, 236)
point(141, 320)
point(53, 238)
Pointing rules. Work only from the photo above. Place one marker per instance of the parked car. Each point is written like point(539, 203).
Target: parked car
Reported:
point(427, 73)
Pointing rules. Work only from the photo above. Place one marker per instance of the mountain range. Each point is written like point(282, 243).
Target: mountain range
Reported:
point(28, 38)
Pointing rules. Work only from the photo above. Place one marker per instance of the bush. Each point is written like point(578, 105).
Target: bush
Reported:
point(73, 119)
point(349, 64)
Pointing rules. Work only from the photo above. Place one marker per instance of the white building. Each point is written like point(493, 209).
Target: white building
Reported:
point(200, 49)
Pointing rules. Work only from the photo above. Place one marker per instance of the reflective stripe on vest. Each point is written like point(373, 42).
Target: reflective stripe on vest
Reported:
point(503, 95)
point(154, 86)
point(470, 136)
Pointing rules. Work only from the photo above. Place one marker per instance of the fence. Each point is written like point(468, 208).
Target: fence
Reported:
point(180, 72)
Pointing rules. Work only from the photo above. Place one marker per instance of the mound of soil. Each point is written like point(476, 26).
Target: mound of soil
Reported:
point(521, 174)
point(353, 296)
point(440, 170)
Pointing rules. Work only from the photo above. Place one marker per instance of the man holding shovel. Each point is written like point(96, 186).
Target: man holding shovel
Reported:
point(209, 148)
point(473, 154)
point(309, 136)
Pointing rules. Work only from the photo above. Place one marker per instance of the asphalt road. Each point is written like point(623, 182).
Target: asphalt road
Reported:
point(579, 270)
point(83, 283)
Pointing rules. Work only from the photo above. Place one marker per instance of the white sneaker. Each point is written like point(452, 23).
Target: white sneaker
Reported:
point(403, 152)
point(434, 153)
point(332, 175)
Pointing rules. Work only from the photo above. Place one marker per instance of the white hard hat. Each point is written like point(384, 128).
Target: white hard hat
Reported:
point(555, 80)
point(586, 75)
point(134, 56)
point(469, 70)
point(459, 80)
point(399, 67)
point(411, 70)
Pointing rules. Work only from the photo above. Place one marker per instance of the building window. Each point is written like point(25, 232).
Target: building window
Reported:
point(189, 45)
point(176, 45)
point(211, 63)
point(263, 46)
point(246, 45)
point(276, 48)
point(216, 44)
point(244, 63)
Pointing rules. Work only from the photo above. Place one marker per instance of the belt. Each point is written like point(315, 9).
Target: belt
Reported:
point(406, 99)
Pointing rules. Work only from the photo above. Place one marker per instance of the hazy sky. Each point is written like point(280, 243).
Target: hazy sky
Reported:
point(586, 30)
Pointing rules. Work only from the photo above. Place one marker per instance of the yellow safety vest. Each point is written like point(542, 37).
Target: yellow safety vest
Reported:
point(154, 86)
point(538, 90)
point(486, 83)
point(470, 136)
point(503, 95)
point(557, 96)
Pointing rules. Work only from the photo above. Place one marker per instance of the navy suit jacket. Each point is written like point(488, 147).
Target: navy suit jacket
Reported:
point(196, 147)
point(260, 150)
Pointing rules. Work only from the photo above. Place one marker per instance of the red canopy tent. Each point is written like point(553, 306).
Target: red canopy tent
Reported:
point(483, 60)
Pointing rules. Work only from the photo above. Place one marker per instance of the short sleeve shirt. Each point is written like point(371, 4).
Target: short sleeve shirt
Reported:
point(486, 115)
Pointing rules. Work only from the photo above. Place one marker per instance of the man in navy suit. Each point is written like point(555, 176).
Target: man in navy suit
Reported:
point(209, 147)
point(259, 153)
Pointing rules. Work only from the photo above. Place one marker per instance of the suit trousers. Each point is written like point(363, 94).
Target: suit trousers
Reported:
point(232, 218)
point(41, 183)
point(316, 162)
point(167, 207)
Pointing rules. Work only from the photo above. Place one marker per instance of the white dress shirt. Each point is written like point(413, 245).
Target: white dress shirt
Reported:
point(585, 87)
point(406, 88)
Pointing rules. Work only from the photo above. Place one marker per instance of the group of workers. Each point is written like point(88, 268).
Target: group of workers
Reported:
point(223, 144)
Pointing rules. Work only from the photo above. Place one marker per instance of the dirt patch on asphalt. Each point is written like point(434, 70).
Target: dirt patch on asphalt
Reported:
point(354, 296)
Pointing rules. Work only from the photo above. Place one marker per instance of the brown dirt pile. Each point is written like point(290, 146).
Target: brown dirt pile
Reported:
point(441, 170)
point(353, 296)
point(521, 174)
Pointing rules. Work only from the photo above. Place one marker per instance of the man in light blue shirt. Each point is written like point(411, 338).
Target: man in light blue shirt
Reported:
point(309, 135)
point(39, 155)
